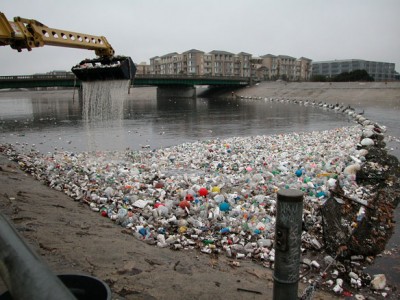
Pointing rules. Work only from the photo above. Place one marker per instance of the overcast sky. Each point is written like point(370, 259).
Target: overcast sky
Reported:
point(316, 29)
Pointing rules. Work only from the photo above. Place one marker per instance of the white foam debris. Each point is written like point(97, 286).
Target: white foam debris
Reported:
point(378, 282)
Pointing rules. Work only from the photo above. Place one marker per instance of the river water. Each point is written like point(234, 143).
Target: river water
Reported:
point(52, 120)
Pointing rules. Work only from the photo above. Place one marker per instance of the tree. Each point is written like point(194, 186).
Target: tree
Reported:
point(356, 75)
point(318, 78)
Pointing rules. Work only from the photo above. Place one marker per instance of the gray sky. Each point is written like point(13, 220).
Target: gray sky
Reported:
point(316, 29)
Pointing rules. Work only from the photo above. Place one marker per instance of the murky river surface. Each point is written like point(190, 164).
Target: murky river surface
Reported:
point(53, 120)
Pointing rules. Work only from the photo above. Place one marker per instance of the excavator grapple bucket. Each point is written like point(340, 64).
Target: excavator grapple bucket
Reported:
point(109, 68)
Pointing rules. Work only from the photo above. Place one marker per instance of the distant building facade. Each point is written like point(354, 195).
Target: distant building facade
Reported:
point(143, 68)
point(224, 63)
point(380, 71)
point(273, 67)
point(196, 62)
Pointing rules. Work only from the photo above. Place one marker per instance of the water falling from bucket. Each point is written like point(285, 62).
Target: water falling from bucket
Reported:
point(104, 100)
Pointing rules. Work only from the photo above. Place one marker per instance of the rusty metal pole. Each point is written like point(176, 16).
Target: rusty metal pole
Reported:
point(288, 230)
point(25, 275)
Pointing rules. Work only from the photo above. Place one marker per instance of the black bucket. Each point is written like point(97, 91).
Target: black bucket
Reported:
point(83, 287)
point(115, 68)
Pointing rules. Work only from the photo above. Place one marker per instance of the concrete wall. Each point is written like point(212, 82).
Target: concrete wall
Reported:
point(366, 93)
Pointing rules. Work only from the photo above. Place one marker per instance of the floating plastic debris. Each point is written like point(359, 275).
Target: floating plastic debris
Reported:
point(219, 195)
point(379, 282)
point(214, 191)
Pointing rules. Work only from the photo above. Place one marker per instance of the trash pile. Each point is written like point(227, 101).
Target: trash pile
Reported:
point(219, 195)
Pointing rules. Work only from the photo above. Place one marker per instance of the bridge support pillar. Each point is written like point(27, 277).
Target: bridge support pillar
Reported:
point(176, 92)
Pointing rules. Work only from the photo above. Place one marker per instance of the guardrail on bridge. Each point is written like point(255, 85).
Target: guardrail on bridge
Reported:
point(69, 80)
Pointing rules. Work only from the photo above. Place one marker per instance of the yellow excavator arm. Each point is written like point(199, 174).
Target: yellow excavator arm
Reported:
point(27, 34)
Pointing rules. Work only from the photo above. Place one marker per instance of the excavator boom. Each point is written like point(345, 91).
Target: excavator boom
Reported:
point(28, 34)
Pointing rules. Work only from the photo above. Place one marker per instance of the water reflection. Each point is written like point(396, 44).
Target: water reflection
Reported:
point(51, 106)
point(9, 109)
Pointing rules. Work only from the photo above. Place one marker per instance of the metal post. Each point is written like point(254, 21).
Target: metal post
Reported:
point(22, 270)
point(288, 230)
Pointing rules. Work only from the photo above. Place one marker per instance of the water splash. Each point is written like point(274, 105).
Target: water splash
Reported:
point(104, 100)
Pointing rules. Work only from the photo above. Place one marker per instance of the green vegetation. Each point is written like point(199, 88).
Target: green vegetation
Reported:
point(357, 75)
point(318, 78)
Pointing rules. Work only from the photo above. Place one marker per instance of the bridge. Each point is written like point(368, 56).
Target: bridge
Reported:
point(168, 85)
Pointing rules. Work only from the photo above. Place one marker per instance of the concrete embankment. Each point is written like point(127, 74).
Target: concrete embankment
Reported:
point(363, 94)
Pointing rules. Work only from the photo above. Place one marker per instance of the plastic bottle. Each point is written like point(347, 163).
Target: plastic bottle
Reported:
point(360, 214)
point(219, 198)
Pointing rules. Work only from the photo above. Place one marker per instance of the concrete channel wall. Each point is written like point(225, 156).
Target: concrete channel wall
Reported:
point(364, 93)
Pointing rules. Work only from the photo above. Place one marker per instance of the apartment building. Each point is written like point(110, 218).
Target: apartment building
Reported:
point(196, 62)
point(283, 66)
point(242, 64)
point(257, 69)
point(224, 63)
point(208, 64)
point(190, 62)
point(193, 62)
point(380, 71)
point(303, 69)
point(170, 63)
point(142, 68)
point(155, 65)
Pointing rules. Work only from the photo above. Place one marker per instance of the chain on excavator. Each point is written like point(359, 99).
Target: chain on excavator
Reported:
point(27, 34)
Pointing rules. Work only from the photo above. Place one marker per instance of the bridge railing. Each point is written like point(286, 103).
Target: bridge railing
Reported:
point(38, 77)
point(190, 76)
point(139, 76)
point(70, 80)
